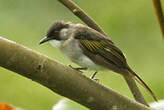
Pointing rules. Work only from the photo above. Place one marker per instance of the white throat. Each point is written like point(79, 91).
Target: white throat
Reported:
point(55, 43)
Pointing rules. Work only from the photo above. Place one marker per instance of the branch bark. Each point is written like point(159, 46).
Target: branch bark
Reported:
point(91, 23)
point(62, 79)
point(159, 13)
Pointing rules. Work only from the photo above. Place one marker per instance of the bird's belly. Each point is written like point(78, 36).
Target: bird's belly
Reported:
point(76, 55)
point(84, 61)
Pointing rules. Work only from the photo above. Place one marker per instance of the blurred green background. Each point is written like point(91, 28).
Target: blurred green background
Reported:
point(132, 25)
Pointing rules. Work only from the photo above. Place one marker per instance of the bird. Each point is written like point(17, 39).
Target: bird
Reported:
point(90, 49)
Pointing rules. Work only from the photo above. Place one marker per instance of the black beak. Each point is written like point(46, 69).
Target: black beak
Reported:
point(45, 39)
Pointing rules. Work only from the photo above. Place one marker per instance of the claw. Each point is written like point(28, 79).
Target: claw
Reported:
point(93, 75)
point(78, 69)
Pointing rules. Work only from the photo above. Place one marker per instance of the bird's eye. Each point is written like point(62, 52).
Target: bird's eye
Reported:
point(56, 32)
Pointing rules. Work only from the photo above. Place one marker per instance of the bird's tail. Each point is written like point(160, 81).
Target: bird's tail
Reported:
point(141, 82)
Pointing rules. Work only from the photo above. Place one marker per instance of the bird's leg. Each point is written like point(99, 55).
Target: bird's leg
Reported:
point(78, 69)
point(93, 76)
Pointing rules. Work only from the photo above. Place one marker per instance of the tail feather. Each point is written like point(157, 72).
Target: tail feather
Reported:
point(140, 81)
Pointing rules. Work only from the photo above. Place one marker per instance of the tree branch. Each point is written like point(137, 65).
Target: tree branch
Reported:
point(62, 79)
point(91, 23)
point(159, 13)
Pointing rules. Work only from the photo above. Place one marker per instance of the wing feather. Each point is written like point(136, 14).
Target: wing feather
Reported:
point(104, 49)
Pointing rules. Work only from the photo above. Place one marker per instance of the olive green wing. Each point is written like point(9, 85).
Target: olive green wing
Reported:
point(103, 47)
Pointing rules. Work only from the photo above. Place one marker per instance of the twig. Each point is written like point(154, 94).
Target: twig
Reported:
point(136, 92)
point(82, 15)
point(62, 79)
point(159, 13)
point(91, 23)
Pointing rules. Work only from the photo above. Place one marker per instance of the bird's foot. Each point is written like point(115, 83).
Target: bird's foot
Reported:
point(93, 76)
point(78, 69)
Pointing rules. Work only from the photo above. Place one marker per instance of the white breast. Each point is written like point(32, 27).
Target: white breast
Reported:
point(55, 43)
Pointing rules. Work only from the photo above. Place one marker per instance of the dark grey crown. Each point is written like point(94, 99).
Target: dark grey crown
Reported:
point(56, 27)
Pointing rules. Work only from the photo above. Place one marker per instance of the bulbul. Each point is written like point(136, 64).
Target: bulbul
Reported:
point(90, 49)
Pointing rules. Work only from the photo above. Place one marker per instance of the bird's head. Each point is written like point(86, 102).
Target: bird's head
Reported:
point(54, 32)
